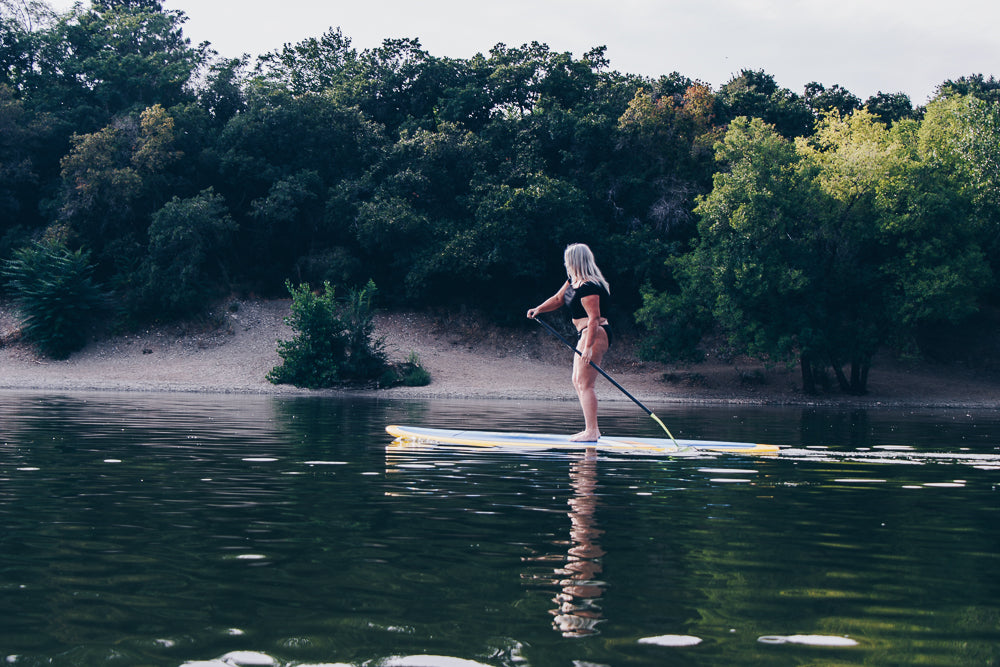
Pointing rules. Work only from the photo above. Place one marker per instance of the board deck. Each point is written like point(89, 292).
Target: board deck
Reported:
point(551, 441)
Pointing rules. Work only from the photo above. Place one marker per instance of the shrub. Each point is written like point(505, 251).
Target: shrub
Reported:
point(333, 343)
point(415, 375)
point(55, 294)
point(409, 374)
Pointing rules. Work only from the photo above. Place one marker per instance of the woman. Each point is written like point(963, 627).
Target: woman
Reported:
point(586, 294)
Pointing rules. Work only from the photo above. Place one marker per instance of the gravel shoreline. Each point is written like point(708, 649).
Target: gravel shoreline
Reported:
point(233, 349)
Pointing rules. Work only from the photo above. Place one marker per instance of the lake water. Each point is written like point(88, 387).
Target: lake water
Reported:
point(145, 529)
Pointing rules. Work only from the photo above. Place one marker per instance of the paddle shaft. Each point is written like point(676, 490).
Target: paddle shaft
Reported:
point(609, 378)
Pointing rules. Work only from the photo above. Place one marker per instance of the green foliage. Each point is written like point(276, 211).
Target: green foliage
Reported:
point(56, 296)
point(333, 343)
point(501, 246)
point(891, 107)
point(414, 374)
point(457, 182)
point(957, 139)
point(754, 242)
point(666, 158)
point(904, 206)
point(114, 179)
point(823, 100)
point(756, 94)
point(313, 65)
point(187, 242)
point(408, 374)
point(288, 189)
point(675, 322)
point(286, 221)
point(223, 95)
point(24, 133)
point(121, 56)
point(976, 85)
point(824, 248)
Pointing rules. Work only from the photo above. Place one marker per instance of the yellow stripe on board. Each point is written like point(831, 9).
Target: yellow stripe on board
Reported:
point(749, 448)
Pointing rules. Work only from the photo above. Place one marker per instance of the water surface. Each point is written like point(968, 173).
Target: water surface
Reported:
point(176, 530)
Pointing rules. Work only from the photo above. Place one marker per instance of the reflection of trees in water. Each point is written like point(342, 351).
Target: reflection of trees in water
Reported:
point(578, 613)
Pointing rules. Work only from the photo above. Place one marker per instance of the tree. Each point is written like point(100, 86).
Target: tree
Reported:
point(267, 142)
point(465, 98)
point(665, 158)
point(959, 142)
point(890, 108)
point(905, 217)
point(976, 85)
point(184, 264)
point(835, 98)
point(515, 73)
point(23, 134)
point(314, 65)
point(26, 15)
point(32, 139)
point(960, 134)
point(279, 178)
point(286, 223)
point(857, 165)
point(828, 248)
point(399, 84)
point(412, 204)
point(516, 231)
point(661, 161)
point(119, 56)
point(222, 95)
point(755, 94)
point(22, 24)
point(112, 181)
point(755, 249)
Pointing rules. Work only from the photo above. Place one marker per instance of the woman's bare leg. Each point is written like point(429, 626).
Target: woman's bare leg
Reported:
point(584, 381)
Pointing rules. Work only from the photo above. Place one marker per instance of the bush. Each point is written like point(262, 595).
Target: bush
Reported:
point(409, 374)
point(56, 295)
point(334, 343)
point(415, 375)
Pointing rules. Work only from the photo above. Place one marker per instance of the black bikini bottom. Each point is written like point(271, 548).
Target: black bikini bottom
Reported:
point(607, 330)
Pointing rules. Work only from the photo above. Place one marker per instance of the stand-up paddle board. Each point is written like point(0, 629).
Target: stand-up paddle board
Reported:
point(549, 441)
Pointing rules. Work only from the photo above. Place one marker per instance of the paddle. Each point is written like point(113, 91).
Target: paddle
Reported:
point(609, 378)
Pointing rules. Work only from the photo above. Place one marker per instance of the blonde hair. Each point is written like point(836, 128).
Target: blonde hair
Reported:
point(581, 267)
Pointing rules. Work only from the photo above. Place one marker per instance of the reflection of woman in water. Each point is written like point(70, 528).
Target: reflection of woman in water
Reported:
point(578, 614)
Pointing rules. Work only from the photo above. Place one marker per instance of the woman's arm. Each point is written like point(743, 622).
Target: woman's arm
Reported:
point(554, 302)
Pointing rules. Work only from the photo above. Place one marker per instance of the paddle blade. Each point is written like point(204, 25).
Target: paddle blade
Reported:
point(664, 426)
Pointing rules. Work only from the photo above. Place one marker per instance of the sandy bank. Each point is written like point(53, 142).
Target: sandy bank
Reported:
point(231, 352)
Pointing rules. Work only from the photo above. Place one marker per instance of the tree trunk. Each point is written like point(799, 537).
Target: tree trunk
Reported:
point(845, 386)
point(808, 376)
point(859, 376)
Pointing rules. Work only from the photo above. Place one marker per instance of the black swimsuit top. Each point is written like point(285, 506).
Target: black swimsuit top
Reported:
point(573, 295)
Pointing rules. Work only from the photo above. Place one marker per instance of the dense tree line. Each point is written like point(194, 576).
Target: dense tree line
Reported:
point(815, 227)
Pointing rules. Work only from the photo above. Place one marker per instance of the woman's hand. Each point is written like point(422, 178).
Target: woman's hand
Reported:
point(552, 303)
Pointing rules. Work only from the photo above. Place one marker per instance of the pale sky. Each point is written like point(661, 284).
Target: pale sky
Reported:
point(866, 46)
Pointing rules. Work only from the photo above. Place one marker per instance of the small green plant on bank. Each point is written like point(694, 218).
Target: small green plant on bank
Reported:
point(55, 295)
point(409, 374)
point(334, 342)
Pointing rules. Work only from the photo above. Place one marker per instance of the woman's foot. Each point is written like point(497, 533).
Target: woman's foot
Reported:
point(585, 436)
